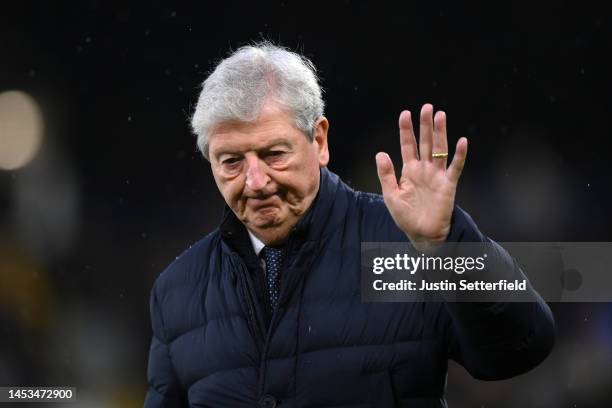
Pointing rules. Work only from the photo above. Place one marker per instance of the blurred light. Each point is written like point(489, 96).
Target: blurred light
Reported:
point(46, 203)
point(26, 292)
point(21, 129)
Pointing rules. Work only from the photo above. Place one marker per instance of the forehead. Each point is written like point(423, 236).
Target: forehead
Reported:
point(273, 126)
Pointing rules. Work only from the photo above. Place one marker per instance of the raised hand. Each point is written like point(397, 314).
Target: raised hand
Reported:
point(421, 204)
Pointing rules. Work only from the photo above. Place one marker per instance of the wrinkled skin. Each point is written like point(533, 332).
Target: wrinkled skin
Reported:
point(268, 171)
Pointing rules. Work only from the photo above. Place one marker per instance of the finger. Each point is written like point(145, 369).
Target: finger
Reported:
point(386, 174)
point(426, 132)
point(440, 141)
point(408, 142)
point(456, 166)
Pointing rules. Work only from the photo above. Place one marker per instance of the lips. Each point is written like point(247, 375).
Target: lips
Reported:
point(259, 203)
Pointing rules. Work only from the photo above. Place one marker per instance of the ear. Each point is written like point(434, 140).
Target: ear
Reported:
point(320, 141)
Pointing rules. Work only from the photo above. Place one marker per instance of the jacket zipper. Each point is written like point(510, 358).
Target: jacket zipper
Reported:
point(248, 293)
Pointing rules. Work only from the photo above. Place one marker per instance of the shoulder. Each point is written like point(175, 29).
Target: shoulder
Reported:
point(189, 267)
point(172, 292)
point(371, 206)
point(370, 201)
point(376, 221)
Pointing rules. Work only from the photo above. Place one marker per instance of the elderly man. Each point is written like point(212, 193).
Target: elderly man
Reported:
point(266, 310)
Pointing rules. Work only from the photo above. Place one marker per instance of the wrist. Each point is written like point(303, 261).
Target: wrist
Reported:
point(426, 246)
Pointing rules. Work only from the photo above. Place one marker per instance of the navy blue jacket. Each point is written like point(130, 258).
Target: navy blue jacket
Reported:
point(216, 345)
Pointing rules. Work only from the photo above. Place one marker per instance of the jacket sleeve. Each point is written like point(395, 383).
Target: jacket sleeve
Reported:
point(164, 388)
point(497, 340)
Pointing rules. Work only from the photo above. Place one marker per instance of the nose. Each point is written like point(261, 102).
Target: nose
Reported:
point(256, 175)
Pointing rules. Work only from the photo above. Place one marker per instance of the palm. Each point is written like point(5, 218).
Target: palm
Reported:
point(421, 204)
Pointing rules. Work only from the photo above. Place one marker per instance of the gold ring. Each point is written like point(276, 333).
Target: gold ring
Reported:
point(439, 155)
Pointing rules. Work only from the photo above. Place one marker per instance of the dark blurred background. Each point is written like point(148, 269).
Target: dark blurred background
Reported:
point(101, 185)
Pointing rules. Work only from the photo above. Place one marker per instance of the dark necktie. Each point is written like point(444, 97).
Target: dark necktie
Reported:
point(274, 264)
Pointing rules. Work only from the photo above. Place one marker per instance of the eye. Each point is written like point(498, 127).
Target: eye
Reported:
point(276, 157)
point(231, 164)
point(231, 160)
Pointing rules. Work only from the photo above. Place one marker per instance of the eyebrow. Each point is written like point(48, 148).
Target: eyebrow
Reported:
point(272, 143)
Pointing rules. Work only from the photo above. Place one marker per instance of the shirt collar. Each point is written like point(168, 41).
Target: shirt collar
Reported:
point(256, 242)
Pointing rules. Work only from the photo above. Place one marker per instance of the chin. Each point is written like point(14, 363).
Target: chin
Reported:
point(274, 236)
point(265, 223)
point(266, 218)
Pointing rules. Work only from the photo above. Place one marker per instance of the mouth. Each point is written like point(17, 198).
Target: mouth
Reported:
point(257, 204)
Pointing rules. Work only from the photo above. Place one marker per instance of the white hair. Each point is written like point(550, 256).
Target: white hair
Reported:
point(240, 84)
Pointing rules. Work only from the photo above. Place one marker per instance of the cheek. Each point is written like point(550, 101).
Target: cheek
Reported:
point(304, 185)
point(230, 189)
point(313, 171)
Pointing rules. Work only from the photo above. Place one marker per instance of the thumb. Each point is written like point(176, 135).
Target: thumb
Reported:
point(386, 173)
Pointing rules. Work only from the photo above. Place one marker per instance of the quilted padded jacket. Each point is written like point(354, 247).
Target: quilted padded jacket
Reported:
point(215, 344)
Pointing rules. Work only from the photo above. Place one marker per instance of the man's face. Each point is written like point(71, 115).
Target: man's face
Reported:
point(268, 171)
